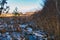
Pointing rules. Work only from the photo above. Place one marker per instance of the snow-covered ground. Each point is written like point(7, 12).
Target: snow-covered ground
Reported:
point(26, 32)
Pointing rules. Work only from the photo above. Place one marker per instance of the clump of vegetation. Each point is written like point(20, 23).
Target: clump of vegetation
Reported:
point(15, 12)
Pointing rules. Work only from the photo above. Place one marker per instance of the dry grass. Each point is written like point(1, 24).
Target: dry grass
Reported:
point(11, 15)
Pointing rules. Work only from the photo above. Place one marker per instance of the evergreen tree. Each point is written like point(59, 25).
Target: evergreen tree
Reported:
point(16, 12)
point(2, 3)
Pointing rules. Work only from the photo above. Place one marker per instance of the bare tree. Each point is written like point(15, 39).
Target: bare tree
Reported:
point(7, 9)
point(49, 18)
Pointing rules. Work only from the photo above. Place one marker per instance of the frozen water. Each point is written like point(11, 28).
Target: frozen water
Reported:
point(23, 25)
point(29, 30)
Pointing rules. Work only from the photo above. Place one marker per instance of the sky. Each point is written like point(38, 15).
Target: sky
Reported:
point(25, 5)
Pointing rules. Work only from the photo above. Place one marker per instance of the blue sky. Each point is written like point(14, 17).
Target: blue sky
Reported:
point(25, 5)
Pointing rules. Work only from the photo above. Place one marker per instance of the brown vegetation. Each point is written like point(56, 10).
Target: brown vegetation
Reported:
point(49, 19)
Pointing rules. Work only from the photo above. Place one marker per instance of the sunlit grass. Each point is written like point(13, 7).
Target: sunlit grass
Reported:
point(11, 15)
